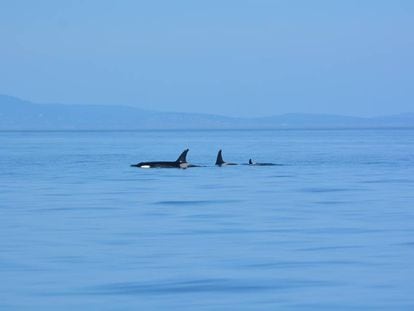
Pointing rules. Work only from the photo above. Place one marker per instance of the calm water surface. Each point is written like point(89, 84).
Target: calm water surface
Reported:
point(332, 228)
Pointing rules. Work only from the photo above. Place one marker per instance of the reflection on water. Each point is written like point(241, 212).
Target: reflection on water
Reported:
point(332, 228)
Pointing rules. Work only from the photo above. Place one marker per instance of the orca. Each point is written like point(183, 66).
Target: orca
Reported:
point(181, 162)
point(254, 163)
point(221, 162)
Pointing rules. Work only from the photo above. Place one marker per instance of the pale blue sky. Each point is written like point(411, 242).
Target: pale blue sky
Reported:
point(236, 58)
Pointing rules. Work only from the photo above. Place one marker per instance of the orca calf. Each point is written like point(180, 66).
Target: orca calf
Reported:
point(251, 162)
point(221, 162)
point(181, 162)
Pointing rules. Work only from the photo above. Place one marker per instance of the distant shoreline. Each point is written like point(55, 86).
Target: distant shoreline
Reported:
point(21, 115)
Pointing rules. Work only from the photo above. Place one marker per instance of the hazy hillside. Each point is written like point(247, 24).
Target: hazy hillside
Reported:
point(17, 114)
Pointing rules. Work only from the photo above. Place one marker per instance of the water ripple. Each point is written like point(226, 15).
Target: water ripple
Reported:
point(195, 202)
point(322, 189)
point(201, 286)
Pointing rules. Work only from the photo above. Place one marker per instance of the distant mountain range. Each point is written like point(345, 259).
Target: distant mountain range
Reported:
point(17, 114)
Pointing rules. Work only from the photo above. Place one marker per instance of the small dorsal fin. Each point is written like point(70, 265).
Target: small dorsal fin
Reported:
point(219, 160)
point(250, 161)
point(183, 157)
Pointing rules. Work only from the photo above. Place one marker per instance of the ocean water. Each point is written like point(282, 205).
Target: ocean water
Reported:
point(331, 228)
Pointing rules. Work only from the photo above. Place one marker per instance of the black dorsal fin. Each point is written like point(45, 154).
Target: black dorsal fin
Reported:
point(183, 157)
point(219, 160)
point(250, 161)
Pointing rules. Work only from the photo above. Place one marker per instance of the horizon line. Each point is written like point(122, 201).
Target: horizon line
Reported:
point(206, 113)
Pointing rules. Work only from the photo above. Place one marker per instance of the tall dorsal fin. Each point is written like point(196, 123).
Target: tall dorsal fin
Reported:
point(219, 160)
point(183, 157)
point(250, 161)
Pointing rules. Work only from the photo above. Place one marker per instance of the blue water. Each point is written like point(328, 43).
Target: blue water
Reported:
point(333, 228)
